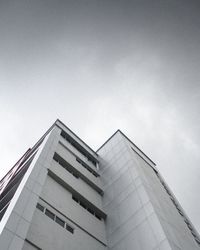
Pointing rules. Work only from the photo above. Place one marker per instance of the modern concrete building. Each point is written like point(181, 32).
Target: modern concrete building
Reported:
point(61, 195)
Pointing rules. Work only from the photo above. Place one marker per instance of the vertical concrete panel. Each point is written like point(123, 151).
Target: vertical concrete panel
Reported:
point(132, 222)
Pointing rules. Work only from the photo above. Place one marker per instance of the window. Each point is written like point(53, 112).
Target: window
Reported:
point(4, 210)
point(28, 243)
point(70, 229)
point(40, 207)
point(75, 175)
point(60, 221)
point(90, 210)
point(193, 233)
point(65, 165)
point(55, 218)
point(82, 204)
point(74, 198)
point(78, 147)
point(55, 159)
point(78, 160)
point(97, 216)
point(198, 241)
point(50, 214)
point(10, 188)
point(86, 167)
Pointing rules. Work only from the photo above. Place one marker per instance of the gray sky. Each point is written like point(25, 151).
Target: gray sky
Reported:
point(100, 65)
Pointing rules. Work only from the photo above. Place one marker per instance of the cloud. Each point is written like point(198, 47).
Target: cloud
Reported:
point(100, 66)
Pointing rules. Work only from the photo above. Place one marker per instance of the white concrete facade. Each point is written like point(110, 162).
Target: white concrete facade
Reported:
point(66, 196)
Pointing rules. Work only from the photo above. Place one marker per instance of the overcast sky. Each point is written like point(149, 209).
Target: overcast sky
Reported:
point(100, 65)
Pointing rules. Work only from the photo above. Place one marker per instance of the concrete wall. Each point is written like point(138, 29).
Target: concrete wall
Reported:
point(25, 227)
point(172, 222)
point(18, 217)
point(62, 200)
point(89, 232)
point(47, 234)
point(134, 198)
point(77, 184)
point(131, 224)
point(71, 159)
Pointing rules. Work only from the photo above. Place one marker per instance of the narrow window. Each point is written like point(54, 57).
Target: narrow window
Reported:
point(97, 216)
point(56, 160)
point(193, 233)
point(60, 221)
point(82, 204)
point(40, 207)
point(190, 227)
point(75, 175)
point(89, 170)
point(78, 160)
point(50, 214)
point(70, 229)
point(74, 198)
point(95, 174)
point(197, 240)
point(90, 210)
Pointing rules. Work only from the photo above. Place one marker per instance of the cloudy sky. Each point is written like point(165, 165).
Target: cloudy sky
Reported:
point(100, 65)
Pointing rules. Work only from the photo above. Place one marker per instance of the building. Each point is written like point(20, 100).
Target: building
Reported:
point(61, 195)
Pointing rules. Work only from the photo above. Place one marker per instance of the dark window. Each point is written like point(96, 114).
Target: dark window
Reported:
point(55, 218)
point(79, 160)
point(89, 170)
point(86, 167)
point(8, 192)
point(190, 227)
point(82, 204)
point(193, 233)
point(90, 210)
point(33, 245)
point(40, 207)
point(2, 212)
point(55, 159)
point(50, 214)
point(75, 175)
point(197, 240)
point(70, 229)
point(74, 198)
point(180, 212)
point(95, 174)
point(65, 165)
point(97, 216)
point(60, 221)
point(78, 147)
